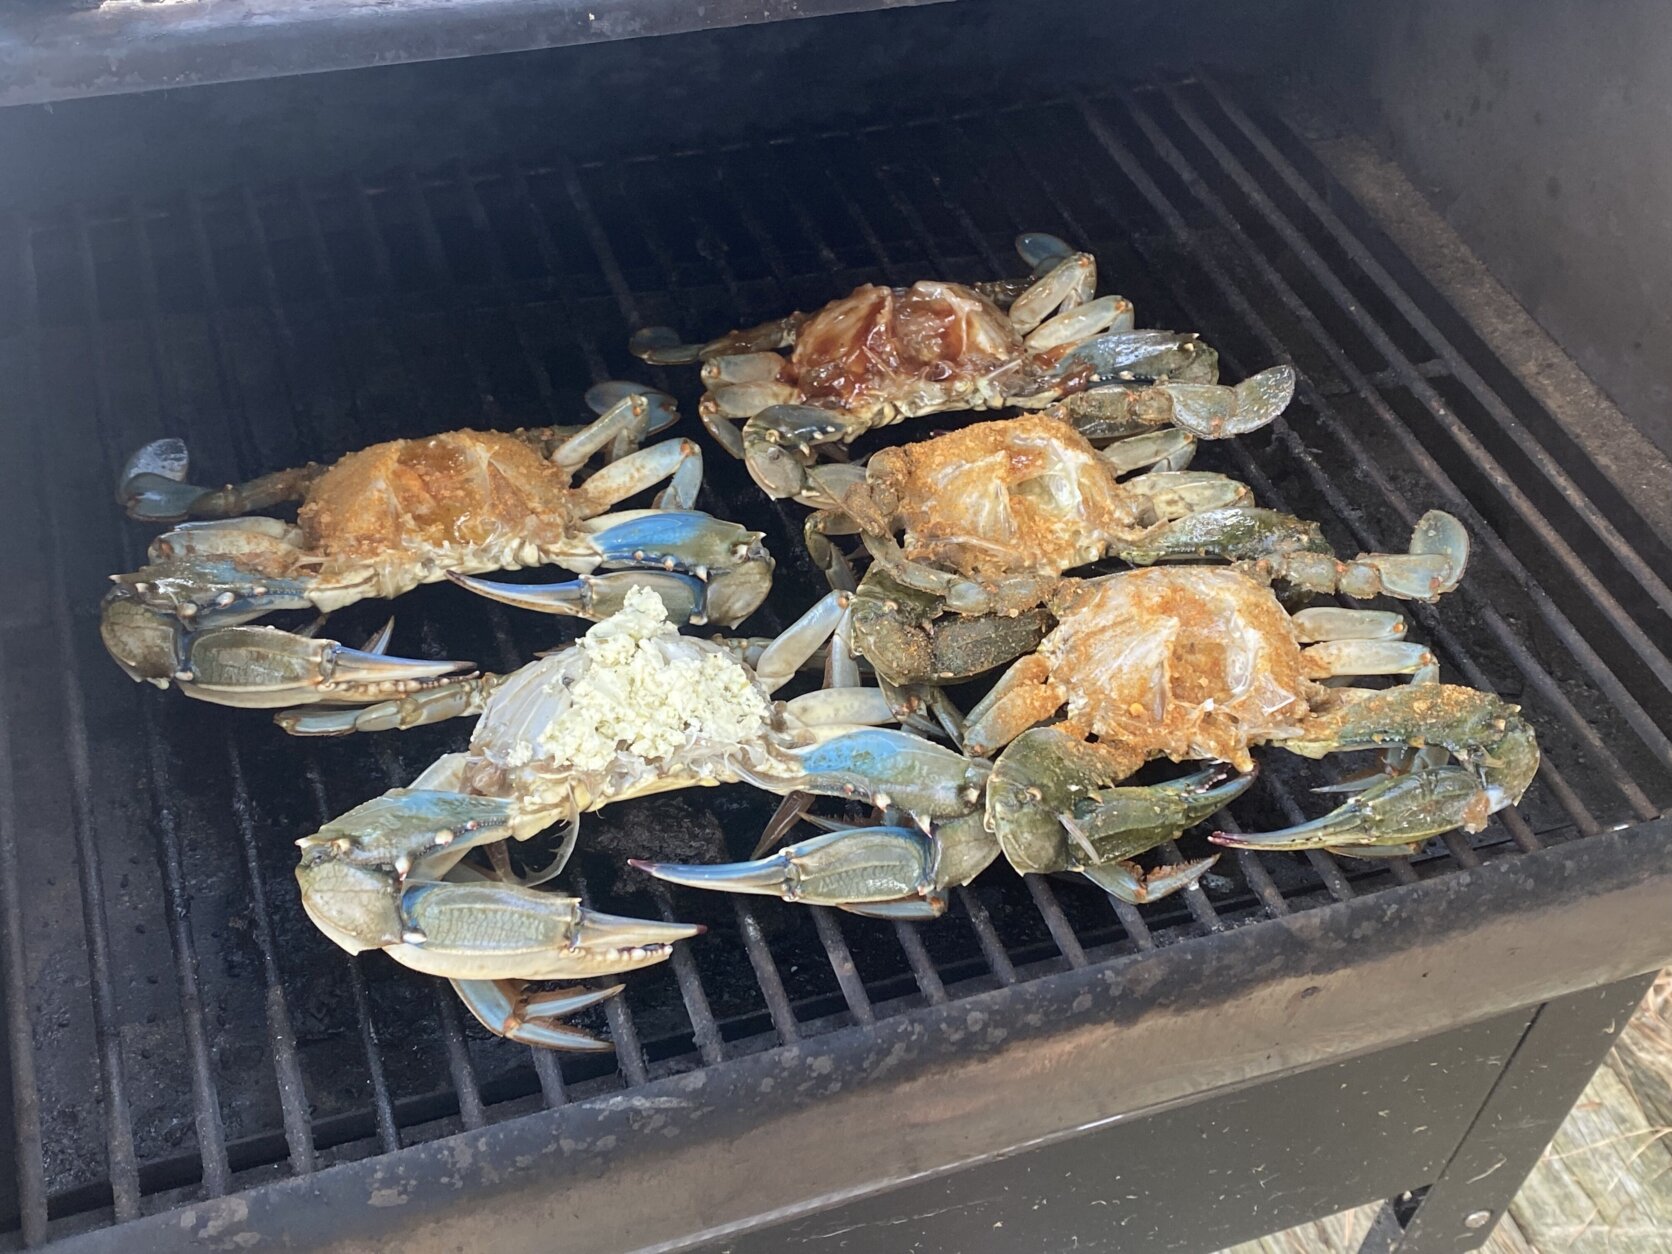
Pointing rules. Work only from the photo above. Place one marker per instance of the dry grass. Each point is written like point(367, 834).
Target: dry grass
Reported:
point(1605, 1184)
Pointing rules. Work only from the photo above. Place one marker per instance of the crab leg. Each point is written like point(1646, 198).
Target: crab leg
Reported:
point(1013, 594)
point(679, 461)
point(263, 667)
point(458, 697)
point(781, 659)
point(1066, 286)
point(1129, 355)
point(728, 559)
point(630, 415)
point(1107, 313)
point(1170, 449)
point(153, 487)
point(660, 346)
point(883, 766)
point(1271, 546)
point(1024, 695)
point(1174, 494)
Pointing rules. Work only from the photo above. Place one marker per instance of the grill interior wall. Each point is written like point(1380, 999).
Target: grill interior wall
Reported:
point(176, 1027)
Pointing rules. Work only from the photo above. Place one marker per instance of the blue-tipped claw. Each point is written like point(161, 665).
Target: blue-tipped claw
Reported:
point(597, 596)
point(853, 867)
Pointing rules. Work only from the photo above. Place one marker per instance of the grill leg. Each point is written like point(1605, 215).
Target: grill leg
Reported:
point(1562, 1047)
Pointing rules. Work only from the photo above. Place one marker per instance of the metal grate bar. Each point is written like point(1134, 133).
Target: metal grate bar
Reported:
point(629, 1054)
point(991, 946)
point(1133, 921)
point(841, 962)
point(124, 1169)
point(1581, 649)
point(458, 1057)
point(599, 243)
point(1255, 873)
point(766, 974)
point(922, 969)
point(547, 248)
point(704, 1030)
point(278, 320)
point(1523, 660)
point(478, 214)
point(20, 1028)
point(1062, 931)
point(1652, 580)
point(211, 1133)
point(383, 1110)
point(281, 1030)
point(435, 253)
point(383, 1107)
point(1466, 857)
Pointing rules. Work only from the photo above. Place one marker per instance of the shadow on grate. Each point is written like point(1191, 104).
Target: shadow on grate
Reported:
point(175, 1026)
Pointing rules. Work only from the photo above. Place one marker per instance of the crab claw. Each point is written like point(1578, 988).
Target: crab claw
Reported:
point(1138, 888)
point(1399, 811)
point(503, 931)
point(597, 596)
point(851, 867)
point(531, 1018)
point(264, 668)
point(778, 444)
point(882, 766)
point(1050, 806)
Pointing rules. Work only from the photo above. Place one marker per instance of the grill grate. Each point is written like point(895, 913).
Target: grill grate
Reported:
point(175, 1028)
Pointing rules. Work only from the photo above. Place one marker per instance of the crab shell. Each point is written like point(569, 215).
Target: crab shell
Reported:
point(481, 493)
point(1191, 663)
point(1023, 494)
point(885, 352)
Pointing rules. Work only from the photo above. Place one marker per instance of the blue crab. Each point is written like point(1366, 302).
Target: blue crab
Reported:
point(630, 710)
point(383, 520)
point(881, 355)
point(1187, 664)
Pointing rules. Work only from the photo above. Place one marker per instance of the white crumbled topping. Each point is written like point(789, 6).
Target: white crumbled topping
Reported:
point(645, 691)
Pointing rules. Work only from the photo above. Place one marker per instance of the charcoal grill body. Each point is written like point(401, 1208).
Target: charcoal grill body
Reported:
point(284, 268)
